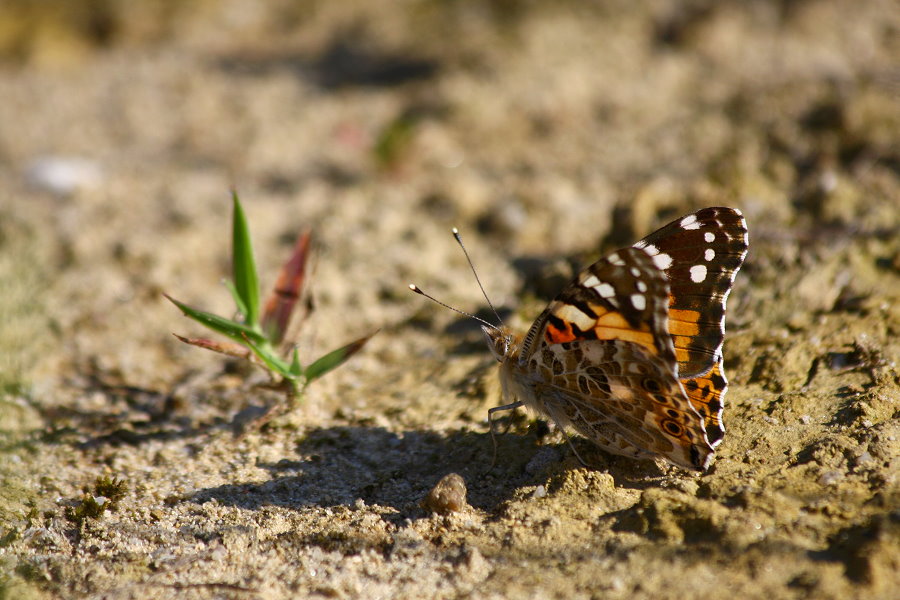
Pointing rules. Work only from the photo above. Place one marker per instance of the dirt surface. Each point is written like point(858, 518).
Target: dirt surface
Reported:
point(549, 133)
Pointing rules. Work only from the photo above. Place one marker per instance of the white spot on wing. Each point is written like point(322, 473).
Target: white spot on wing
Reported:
point(605, 290)
point(591, 281)
point(690, 222)
point(698, 273)
point(709, 254)
point(641, 286)
point(573, 315)
point(710, 237)
point(615, 259)
point(662, 261)
point(638, 301)
point(635, 271)
point(648, 248)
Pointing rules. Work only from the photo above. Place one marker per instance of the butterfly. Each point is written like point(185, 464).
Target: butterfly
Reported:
point(629, 354)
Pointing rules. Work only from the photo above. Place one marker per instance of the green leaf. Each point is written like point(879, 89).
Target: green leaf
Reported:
point(243, 266)
point(238, 301)
point(272, 362)
point(335, 358)
point(296, 367)
point(236, 331)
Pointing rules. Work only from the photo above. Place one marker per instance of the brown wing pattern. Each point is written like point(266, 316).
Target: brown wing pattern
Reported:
point(623, 398)
point(701, 254)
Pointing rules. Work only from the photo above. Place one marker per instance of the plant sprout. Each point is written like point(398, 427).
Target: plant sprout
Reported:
point(257, 335)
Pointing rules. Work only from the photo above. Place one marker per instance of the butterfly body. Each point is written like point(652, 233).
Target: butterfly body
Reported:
point(629, 354)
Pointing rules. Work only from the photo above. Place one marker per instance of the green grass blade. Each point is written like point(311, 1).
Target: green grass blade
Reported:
point(335, 358)
point(272, 362)
point(296, 367)
point(243, 266)
point(236, 331)
point(238, 301)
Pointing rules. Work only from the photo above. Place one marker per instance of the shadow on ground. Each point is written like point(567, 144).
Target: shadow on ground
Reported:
point(341, 465)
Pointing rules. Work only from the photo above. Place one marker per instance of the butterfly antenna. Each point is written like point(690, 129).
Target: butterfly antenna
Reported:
point(419, 291)
point(474, 272)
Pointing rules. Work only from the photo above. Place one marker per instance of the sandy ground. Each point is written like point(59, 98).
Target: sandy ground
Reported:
point(549, 134)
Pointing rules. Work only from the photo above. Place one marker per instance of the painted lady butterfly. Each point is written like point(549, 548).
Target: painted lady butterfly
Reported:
point(629, 354)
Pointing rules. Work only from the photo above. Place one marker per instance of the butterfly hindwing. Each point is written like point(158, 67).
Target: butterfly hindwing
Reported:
point(625, 399)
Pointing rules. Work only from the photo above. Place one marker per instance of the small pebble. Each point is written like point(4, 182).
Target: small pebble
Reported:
point(864, 458)
point(830, 477)
point(447, 496)
point(63, 175)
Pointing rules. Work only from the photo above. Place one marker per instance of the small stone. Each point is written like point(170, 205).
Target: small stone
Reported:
point(539, 492)
point(831, 477)
point(447, 496)
point(864, 459)
point(64, 175)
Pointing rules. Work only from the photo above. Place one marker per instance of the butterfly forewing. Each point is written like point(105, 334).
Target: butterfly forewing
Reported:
point(700, 253)
point(620, 297)
point(707, 395)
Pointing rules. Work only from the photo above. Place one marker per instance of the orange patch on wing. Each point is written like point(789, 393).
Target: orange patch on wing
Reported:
point(612, 320)
point(681, 343)
point(683, 322)
point(644, 338)
point(558, 336)
point(613, 326)
point(703, 394)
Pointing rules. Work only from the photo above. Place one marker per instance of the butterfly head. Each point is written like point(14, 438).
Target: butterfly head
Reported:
point(501, 341)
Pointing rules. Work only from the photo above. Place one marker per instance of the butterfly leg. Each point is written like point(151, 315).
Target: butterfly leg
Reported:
point(583, 462)
point(491, 412)
point(560, 427)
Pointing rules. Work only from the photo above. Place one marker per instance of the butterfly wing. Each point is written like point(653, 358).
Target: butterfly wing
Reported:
point(620, 297)
point(701, 254)
point(606, 365)
point(706, 393)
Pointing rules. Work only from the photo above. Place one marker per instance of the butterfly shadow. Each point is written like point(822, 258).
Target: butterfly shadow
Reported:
point(340, 465)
